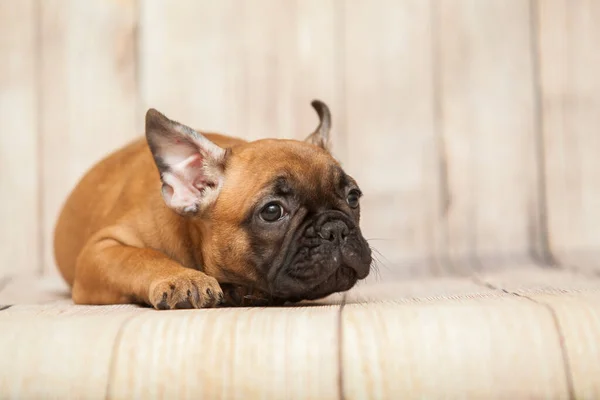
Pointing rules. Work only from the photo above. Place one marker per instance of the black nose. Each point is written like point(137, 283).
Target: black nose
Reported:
point(334, 231)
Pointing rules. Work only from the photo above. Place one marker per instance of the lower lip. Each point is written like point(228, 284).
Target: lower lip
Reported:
point(343, 276)
point(348, 272)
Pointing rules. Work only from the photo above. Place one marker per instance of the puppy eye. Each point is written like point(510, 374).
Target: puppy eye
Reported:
point(271, 212)
point(353, 198)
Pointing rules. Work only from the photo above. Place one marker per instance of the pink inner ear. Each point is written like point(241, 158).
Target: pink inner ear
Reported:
point(194, 161)
point(189, 170)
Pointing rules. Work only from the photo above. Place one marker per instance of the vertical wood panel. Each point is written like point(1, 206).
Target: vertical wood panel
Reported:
point(569, 42)
point(88, 80)
point(390, 126)
point(488, 122)
point(189, 67)
point(268, 354)
point(19, 207)
point(290, 58)
point(248, 69)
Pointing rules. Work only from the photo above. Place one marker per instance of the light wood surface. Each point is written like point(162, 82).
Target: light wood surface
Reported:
point(251, 353)
point(451, 349)
point(19, 148)
point(523, 332)
point(573, 302)
point(249, 69)
point(390, 129)
point(190, 65)
point(569, 61)
point(470, 125)
point(579, 321)
point(74, 347)
point(88, 94)
point(487, 119)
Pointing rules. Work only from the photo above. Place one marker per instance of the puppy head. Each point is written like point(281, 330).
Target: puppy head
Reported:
point(280, 216)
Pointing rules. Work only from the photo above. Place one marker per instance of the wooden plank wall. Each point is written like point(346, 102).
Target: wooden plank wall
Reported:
point(569, 38)
point(471, 125)
point(20, 192)
point(487, 120)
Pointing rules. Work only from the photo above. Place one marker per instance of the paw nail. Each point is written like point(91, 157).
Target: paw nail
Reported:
point(162, 305)
point(183, 305)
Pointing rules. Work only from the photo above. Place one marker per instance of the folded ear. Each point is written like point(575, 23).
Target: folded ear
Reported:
point(191, 166)
point(320, 136)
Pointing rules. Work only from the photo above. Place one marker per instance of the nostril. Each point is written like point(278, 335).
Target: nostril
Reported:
point(344, 233)
point(326, 234)
point(334, 231)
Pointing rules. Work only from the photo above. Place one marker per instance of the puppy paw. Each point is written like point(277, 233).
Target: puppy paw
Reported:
point(187, 289)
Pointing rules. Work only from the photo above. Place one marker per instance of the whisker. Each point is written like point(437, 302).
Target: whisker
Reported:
point(375, 268)
point(375, 257)
point(381, 255)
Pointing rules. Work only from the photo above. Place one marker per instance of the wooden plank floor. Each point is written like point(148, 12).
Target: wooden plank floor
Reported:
point(523, 332)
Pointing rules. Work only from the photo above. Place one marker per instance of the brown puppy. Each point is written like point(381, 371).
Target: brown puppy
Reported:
point(278, 218)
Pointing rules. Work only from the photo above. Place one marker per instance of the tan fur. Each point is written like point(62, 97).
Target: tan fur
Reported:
point(117, 242)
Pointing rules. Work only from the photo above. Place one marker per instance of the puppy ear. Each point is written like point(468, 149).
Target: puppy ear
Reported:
point(320, 136)
point(191, 166)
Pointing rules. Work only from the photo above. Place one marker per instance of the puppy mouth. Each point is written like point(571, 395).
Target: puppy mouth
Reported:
point(321, 278)
point(342, 279)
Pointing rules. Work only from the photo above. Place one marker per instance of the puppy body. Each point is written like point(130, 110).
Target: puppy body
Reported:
point(116, 216)
point(120, 239)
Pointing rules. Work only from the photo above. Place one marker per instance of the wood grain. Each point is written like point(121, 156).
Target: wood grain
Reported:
point(569, 60)
point(249, 69)
point(488, 124)
point(391, 140)
point(579, 321)
point(88, 103)
point(65, 350)
point(470, 126)
point(19, 144)
point(34, 289)
point(572, 299)
point(229, 354)
point(530, 280)
point(190, 63)
point(435, 108)
point(419, 290)
point(522, 333)
point(475, 348)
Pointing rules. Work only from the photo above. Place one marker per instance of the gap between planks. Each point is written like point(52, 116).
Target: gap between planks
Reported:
point(556, 322)
point(340, 349)
point(4, 281)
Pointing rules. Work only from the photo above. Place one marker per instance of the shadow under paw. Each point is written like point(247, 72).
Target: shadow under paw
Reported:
point(241, 296)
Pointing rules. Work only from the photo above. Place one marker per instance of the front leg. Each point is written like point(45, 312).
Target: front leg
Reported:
point(110, 272)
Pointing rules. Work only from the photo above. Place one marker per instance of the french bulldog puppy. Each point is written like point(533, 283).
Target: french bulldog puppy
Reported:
point(185, 219)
